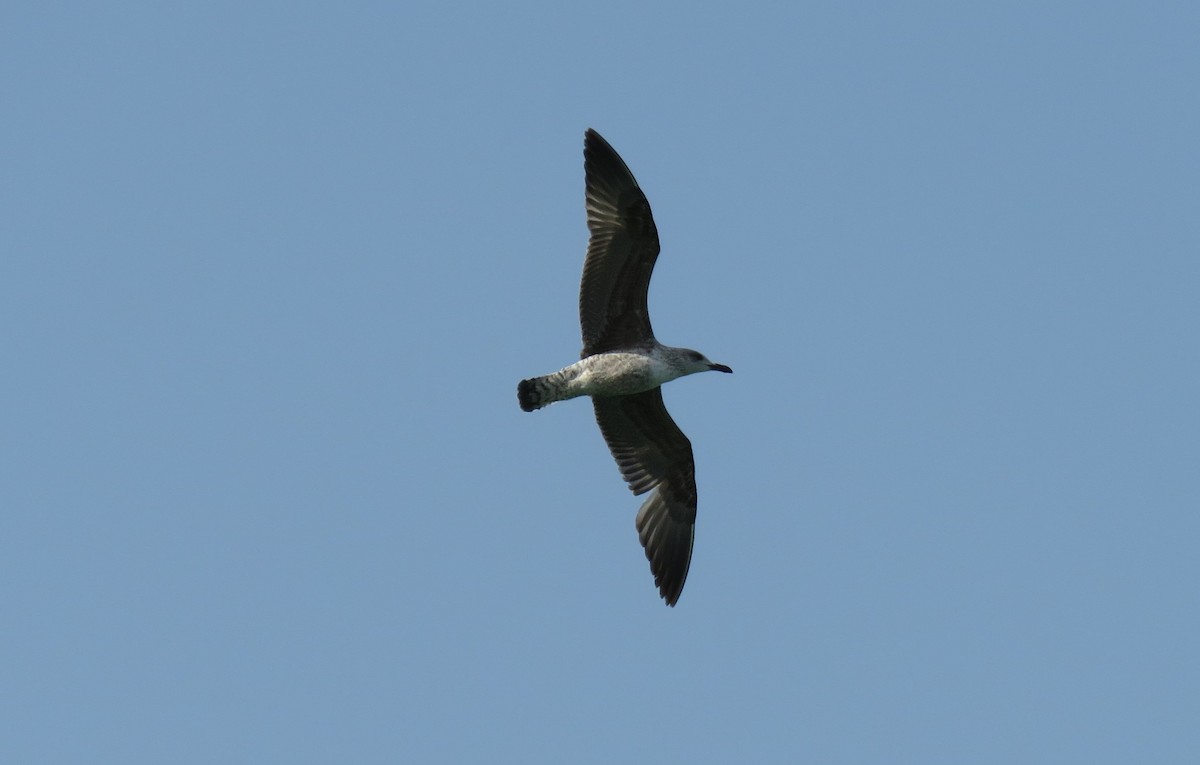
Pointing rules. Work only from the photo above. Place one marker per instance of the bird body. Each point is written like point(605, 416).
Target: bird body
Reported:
point(614, 373)
point(623, 366)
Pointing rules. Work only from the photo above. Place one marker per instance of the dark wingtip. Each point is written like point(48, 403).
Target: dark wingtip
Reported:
point(668, 545)
point(600, 157)
point(591, 138)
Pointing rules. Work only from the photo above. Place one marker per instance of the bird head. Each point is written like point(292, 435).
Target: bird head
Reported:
point(694, 361)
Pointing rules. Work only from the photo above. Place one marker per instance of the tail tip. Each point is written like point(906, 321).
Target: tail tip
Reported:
point(526, 396)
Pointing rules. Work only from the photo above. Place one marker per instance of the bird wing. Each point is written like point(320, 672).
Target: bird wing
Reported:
point(620, 253)
point(654, 454)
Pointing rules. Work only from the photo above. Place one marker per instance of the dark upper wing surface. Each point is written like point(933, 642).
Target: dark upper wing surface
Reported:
point(654, 454)
point(620, 253)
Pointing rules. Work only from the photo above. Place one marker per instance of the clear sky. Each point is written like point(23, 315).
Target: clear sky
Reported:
point(270, 273)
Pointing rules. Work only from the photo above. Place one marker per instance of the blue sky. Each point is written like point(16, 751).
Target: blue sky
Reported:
point(271, 272)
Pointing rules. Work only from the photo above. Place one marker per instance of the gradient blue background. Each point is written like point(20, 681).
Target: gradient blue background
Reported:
point(271, 272)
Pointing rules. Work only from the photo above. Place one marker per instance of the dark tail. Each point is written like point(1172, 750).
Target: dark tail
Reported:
point(531, 394)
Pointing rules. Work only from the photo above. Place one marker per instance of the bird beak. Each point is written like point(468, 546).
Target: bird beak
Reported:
point(720, 368)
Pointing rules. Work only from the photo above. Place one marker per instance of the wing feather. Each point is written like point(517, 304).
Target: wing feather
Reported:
point(621, 253)
point(655, 456)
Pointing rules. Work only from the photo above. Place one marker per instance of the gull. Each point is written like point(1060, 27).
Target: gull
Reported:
point(622, 366)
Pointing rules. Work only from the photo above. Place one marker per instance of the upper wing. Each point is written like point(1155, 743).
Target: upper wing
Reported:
point(620, 253)
point(653, 453)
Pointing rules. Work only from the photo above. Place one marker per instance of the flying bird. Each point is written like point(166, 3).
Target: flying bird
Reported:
point(622, 366)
